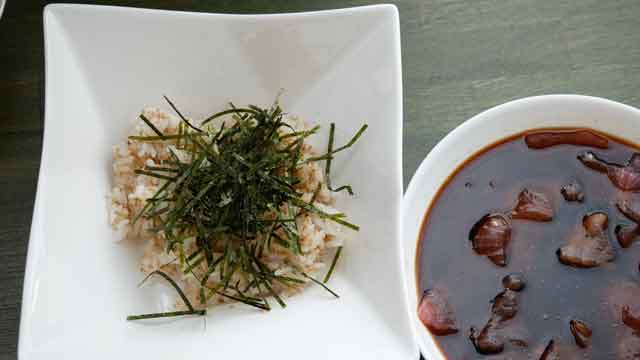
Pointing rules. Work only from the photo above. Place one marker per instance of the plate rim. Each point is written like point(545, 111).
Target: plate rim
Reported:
point(54, 7)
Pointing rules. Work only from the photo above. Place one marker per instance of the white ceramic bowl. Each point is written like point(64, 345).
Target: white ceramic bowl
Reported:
point(482, 130)
point(103, 64)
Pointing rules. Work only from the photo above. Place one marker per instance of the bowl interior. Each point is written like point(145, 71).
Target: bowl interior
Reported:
point(475, 134)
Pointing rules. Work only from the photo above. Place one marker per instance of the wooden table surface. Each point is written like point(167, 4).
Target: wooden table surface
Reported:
point(459, 58)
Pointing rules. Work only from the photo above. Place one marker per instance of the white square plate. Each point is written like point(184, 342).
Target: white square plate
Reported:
point(103, 64)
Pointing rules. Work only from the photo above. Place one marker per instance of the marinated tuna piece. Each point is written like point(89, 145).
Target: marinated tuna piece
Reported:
point(631, 210)
point(545, 139)
point(624, 177)
point(514, 282)
point(533, 206)
point(595, 223)
point(627, 234)
point(490, 236)
point(581, 332)
point(505, 306)
point(593, 162)
point(487, 341)
point(630, 318)
point(627, 177)
point(572, 192)
point(550, 352)
point(436, 314)
point(589, 246)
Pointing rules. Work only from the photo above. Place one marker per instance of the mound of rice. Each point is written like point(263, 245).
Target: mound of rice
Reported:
point(130, 192)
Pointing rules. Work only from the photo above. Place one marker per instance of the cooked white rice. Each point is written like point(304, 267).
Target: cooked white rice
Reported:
point(130, 192)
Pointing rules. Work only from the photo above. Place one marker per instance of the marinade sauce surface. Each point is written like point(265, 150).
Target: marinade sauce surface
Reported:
point(555, 293)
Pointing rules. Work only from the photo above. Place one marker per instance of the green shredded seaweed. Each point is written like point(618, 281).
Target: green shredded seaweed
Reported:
point(237, 196)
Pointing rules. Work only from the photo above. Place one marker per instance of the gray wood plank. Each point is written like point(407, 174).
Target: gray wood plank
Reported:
point(19, 161)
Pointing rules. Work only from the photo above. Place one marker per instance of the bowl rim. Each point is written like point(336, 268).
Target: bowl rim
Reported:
point(244, 16)
point(436, 152)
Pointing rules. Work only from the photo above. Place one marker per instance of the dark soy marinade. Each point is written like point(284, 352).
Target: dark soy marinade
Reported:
point(555, 293)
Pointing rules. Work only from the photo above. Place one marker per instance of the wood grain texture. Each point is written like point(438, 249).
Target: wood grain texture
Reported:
point(459, 58)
